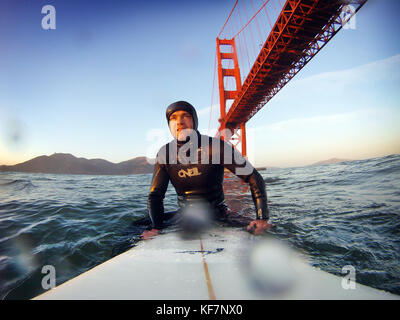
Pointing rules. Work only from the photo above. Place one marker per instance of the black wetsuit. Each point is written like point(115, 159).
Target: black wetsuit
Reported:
point(196, 170)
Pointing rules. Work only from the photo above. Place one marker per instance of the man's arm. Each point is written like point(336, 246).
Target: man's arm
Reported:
point(155, 202)
point(242, 168)
point(259, 195)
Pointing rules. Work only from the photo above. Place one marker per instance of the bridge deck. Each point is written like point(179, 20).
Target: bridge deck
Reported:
point(296, 37)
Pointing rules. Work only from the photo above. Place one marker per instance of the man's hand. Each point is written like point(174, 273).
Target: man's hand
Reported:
point(148, 234)
point(257, 227)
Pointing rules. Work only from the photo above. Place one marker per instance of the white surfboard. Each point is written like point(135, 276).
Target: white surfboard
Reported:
point(224, 263)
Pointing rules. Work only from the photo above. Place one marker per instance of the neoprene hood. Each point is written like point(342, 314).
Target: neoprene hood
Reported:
point(183, 106)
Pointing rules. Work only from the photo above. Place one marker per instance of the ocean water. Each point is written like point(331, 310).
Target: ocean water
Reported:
point(339, 214)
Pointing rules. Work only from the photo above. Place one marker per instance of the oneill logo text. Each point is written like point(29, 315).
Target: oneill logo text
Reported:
point(189, 172)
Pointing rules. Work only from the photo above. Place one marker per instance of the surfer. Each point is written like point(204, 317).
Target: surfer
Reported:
point(194, 164)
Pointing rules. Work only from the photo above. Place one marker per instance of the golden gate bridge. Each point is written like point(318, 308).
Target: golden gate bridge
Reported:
point(270, 42)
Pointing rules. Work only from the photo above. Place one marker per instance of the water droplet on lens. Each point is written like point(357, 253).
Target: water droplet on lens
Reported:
point(271, 267)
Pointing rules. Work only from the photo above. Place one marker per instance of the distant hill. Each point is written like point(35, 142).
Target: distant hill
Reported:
point(66, 163)
point(330, 161)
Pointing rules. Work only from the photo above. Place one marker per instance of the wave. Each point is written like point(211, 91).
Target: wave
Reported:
point(20, 184)
point(388, 169)
point(273, 180)
point(386, 160)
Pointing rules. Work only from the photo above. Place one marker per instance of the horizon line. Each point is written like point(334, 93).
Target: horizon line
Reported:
point(259, 166)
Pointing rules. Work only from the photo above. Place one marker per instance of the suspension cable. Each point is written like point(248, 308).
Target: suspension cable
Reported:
point(251, 18)
point(228, 18)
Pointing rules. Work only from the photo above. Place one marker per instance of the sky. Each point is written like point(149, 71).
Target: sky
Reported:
point(97, 85)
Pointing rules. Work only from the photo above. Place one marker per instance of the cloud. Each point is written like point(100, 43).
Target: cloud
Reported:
point(316, 121)
point(386, 69)
point(301, 140)
point(205, 111)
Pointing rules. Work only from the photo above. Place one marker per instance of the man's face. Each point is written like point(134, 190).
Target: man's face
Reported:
point(179, 123)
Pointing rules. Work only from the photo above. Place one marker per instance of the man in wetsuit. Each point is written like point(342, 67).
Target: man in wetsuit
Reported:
point(195, 164)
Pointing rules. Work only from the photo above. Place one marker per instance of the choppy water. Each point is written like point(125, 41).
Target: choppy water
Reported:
point(343, 214)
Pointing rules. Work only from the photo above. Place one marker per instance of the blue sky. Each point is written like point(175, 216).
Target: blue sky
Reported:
point(97, 86)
